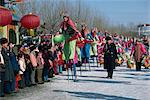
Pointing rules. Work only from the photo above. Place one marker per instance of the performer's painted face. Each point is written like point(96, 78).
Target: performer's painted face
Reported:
point(65, 18)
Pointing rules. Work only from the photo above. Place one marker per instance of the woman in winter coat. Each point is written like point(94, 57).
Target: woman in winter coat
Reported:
point(138, 51)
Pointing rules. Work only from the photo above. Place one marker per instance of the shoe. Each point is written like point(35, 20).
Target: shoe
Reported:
point(47, 81)
point(41, 83)
point(20, 87)
point(107, 77)
point(2, 95)
point(8, 92)
point(75, 80)
point(15, 91)
point(34, 84)
point(57, 74)
point(29, 85)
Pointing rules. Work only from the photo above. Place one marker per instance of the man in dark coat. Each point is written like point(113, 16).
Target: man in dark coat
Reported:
point(9, 74)
point(110, 56)
point(14, 63)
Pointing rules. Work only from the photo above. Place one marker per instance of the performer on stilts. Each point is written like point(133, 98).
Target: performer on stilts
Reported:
point(85, 51)
point(70, 33)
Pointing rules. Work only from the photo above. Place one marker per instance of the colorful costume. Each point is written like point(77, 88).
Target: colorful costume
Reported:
point(69, 31)
point(93, 49)
point(86, 49)
point(71, 34)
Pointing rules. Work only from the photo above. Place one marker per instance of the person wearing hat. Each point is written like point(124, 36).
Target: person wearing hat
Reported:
point(110, 56)
point(138, 52)
point(9, 74)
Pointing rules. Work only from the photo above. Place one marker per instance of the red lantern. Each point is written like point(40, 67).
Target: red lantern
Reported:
point(30, 21)
point(5, 16)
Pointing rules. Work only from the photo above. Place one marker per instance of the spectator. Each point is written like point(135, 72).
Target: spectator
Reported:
point(14, 63)
point(2, 73)
point(138, 52)
point(22, 65)
point(40, 62)
point(34, 64)
point(9, 74)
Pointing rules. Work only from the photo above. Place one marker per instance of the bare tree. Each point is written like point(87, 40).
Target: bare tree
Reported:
point(51, 12)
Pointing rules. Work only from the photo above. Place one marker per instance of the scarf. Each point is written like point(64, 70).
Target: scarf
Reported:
point(64, 25)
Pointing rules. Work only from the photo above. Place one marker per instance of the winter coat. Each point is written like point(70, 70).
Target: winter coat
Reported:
point(85, 51)
point(22, 65)
point(9, 74)
point(45, 56)
point(2, 67)
point(40, 62)
point(14, 62)
point(33, 59)
point(139, 51)
point(110, 55)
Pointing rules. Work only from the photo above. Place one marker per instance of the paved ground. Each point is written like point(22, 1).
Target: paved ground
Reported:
point(126, 85)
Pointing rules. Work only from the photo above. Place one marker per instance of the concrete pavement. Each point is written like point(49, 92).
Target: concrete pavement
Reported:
point(127, 84)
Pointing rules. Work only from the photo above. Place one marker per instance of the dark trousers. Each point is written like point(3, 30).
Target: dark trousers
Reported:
point(21, 82)
point(13, 84)
point(2, 74)
point(138, 66)
point(110, 73)
point(27, 78)
point(7, 86)
point(45, 73)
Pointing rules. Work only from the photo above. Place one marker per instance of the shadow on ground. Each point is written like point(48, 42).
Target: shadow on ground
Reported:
point(103, 81)
point(137, 78)
point(109, 81)
point(90, 95)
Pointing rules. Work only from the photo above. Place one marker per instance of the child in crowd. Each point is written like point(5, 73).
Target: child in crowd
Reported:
point(22, 69)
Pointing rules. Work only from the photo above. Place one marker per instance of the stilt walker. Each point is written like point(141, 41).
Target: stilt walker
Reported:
point(86, 49)
point(70, 34)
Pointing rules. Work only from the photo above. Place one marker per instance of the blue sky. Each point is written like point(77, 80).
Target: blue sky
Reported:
point(122, 11)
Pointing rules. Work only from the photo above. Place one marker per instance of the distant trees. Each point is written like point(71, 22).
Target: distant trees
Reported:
point(51, 12)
